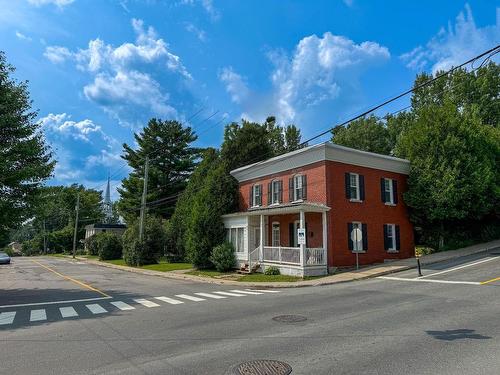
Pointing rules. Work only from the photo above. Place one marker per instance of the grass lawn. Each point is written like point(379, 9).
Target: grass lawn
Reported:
point(207, 273)
point(89, 256)
point(163, 266)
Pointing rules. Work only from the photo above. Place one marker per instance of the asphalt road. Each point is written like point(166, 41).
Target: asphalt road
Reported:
point(63, 317)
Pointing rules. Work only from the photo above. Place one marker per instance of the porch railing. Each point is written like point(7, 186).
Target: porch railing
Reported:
point(315, 256)
point(291, 255)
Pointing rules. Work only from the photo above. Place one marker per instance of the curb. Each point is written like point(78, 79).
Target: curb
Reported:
point(450, 255)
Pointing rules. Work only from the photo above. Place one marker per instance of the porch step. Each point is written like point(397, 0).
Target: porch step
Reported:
point(244, 269)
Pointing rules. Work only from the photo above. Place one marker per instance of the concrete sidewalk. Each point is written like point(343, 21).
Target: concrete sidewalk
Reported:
point(363, 273)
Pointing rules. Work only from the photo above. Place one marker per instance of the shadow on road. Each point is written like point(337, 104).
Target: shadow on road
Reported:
point(457, 334)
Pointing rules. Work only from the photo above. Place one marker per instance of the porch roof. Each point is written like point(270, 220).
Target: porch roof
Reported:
point(286, 208)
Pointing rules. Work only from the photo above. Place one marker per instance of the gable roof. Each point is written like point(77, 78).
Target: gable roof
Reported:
point(321, 152)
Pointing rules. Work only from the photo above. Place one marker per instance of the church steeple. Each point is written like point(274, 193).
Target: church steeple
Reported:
point(108, 205)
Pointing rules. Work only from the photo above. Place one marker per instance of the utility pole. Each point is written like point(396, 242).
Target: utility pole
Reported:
point(77, 208)
point(143, 200)
point(44, 238)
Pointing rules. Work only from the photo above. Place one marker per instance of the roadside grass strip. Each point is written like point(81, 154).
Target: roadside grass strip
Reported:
point(104, 306)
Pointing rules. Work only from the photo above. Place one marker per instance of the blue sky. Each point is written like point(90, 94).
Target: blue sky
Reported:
point(99, 69)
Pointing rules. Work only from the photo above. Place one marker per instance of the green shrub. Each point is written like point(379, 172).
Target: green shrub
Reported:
point(8, 251)
point(272, 270)
point(148, 251)
point(91, 245)
point(110, 246)
point(32, 247)
point(223, 257)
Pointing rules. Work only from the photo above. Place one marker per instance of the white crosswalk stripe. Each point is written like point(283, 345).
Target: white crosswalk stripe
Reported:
point(95, 308)
point(7, 317)
point(190, 298)
point(122, 305)
point(246, 292)
point(169, 300)
point(230, 294)
point(263, 290)
point(146, 302)
point(38, 315)
point(208, 295)
point(68, 312)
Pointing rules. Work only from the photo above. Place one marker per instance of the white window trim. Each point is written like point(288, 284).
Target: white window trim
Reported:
point(297, 177)
point(272, 233)
point(229, 237)
point(393, 248)
point(254, 196)
point(391, 191)
point(358, 192)
point(353, 243)
point(273, 193)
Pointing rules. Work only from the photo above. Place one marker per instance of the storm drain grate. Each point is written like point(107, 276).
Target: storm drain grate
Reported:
point(289, 318)
point(263, 367)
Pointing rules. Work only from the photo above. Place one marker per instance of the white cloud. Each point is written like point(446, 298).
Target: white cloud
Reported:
point(207, 5)
point(61, 124)
point(123, 82)
point(235, 84)
point(320, 71)
point(57, 54)
point(455, 44)
point(59, 3)
point(21, 36)
point(200, 34)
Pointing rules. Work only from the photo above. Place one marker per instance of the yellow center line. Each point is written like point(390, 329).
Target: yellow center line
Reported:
point(71, 279)
point(490, 281)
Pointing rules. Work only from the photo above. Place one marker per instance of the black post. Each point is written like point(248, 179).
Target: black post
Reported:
point(418, 267)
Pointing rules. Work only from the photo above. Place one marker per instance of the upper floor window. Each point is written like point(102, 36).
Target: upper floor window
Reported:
point(297, 188)
point(388, 190)
point(255, 196)
point(275, 192)
point(355, 187)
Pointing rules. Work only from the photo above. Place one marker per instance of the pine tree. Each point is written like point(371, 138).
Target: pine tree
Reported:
point(25, 158)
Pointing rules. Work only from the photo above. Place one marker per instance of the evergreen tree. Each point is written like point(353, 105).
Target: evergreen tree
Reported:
point(25, 158)
point(171, 161)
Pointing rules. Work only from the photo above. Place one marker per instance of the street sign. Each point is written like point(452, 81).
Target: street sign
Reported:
point(301, 236)
point(356, 235)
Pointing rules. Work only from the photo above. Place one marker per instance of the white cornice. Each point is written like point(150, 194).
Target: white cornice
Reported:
point(321, 152)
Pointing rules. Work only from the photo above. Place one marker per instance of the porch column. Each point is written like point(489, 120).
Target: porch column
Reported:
point(325, 237)
point(302, 225)
point(262, 233)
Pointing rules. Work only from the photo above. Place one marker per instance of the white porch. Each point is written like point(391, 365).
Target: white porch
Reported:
point(249, 233)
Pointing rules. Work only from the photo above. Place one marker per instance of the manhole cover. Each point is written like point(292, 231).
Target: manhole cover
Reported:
point(289, 318)
point(263, 367)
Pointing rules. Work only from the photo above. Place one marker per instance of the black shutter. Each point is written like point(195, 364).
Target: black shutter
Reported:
point(304, 187)
point(260, 195)
point(365, 236)
point(382, 189)
point(386, 238)
point(398, 241)
point(269, 193)
point(361, 187)
point(281, 191)
point(395, 191)
point(348, 185)
point(349, 239)
point(290, 235)
point(290, 189)
point(250, 199)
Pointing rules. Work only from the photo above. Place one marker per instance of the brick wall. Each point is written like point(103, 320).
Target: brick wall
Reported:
point(372, 211)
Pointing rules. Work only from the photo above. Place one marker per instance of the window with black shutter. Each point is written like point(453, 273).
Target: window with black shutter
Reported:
point(357, 237)
point(391, 237)
point(355, 187)
point(388, 190)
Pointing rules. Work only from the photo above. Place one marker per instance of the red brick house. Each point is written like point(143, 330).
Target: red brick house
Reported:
point(320, 207)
